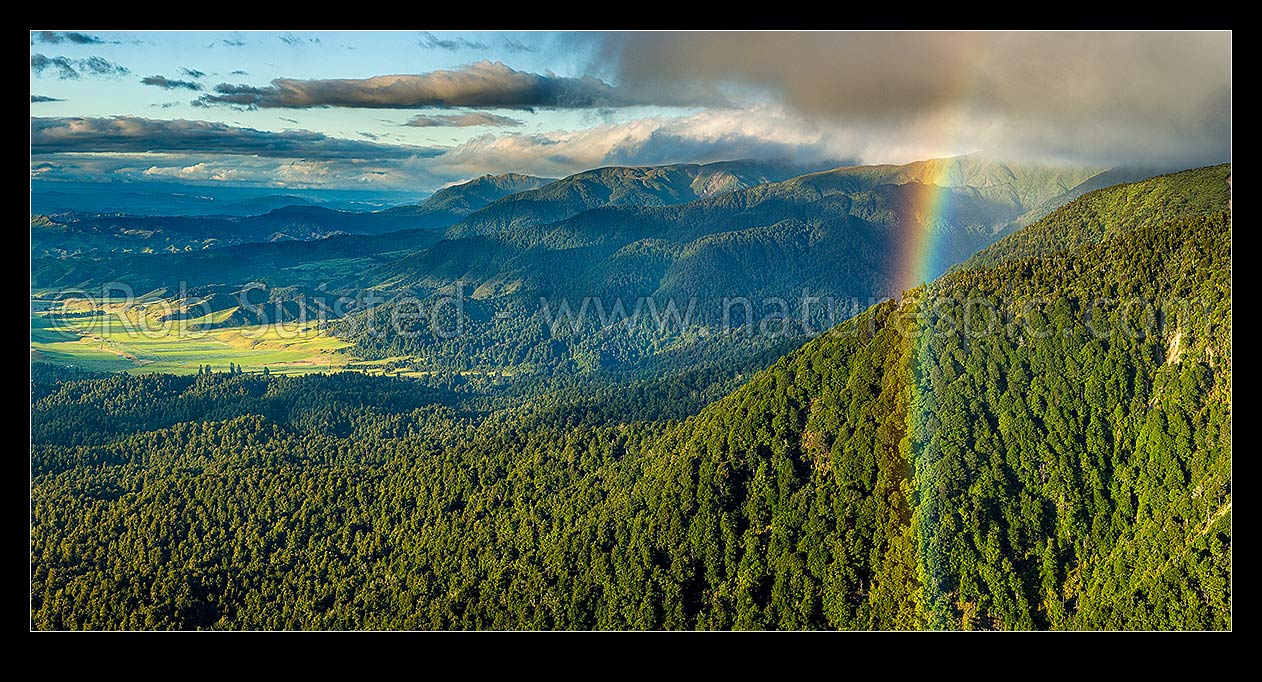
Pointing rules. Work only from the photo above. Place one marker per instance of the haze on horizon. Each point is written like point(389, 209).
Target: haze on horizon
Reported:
point(413, 110)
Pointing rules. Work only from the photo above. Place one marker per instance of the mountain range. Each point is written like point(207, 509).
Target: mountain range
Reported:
point(1038, 439)
point(515, 248)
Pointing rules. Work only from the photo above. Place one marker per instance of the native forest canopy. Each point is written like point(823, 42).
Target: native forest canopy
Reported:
point(1034, 432)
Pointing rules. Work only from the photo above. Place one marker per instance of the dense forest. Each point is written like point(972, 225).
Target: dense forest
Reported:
point(616, 269)
point(1040, 439)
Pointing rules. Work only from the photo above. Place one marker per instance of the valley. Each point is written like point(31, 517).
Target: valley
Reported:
point(104, 336)
point(421, 331)
point(1062, 461)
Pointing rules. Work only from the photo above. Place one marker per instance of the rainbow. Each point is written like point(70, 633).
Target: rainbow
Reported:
point(920, 259)
point(920, 255)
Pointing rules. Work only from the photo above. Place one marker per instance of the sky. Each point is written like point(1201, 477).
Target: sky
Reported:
point(413, 111)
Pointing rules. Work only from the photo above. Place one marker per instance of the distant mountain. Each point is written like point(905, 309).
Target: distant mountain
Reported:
point(338, 261)
point(89, 234)
point(450, 204)
point(699, 235)
point(619, 186)
point(1103, 214)
point(260, 219)
point(845, 235)
point(1015, 186)
point(257, 205)
point(182, 199)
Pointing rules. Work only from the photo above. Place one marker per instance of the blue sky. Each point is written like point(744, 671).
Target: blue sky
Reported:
point(332, 109)
point(305, 55)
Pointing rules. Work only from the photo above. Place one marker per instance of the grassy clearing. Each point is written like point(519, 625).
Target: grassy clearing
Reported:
point(111, 338)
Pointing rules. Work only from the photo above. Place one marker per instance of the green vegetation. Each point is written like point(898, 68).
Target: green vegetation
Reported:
point(1062, 461)
point(662, 236)
point(110, 338)
point(627, 237)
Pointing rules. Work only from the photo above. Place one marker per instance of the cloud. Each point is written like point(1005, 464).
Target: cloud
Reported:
point(204, 152)
point(197, 168)
point(201, 151)
point(192, 73)
point(57, 37)
point(74, 69)
point(1094, 96)
point(364, 133)
point(714, 135)
point(239, 72)
point(482, 84)
point(169, 84)
point(132, 134)
point(511, 45)
point(197, 171)
point(64, 67)
point(294, 41)
point(467, 120)
point(97, 66)
point(235, 41)
point(430, 41)
point(43, 98)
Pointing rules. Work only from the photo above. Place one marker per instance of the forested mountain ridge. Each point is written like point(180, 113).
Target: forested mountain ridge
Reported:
point(881, 479)
point(840, 235)
point(84, 234)
point(1108, 212)
point(450, 204)
point(904, 470)
point(618, 186)
point(1023, 186)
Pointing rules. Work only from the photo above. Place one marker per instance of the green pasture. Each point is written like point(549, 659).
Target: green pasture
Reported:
point(113, 339)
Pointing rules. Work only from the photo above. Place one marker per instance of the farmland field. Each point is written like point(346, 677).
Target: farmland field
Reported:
point(110, 337)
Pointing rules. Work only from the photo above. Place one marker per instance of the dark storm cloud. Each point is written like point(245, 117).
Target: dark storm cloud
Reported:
point(57, 37)
point(483, 84)
point(468, 120)
point(42, 98)
point(137, 135)
point(169, 84)
point(430, 41)
point(192, 73)
point(74, 69)
point(1127, 94)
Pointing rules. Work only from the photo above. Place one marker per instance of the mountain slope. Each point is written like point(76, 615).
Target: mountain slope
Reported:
point(449, 204)
point(618, 186)
point(1105, 213)
point(1016, 186)
point(841, 237)
point(278, 218)
point(1045, 469)
point(1013, 447)
point(82, 235)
